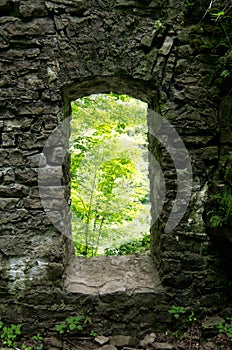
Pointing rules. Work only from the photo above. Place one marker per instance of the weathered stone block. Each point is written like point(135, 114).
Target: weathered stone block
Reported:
point(4, 154)
point(50, 175)
point(8, 140)
point(16, 157)
point(34, 9)
point(36, 161)
point(9, 203)
point(208, 153)
point(28, 176)
point(122, 340)
point(7, 176)
point(55, 155)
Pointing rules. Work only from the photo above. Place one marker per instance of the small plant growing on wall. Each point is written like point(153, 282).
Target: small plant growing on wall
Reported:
point(9, 334)
point(220, 201)
point(226, 327)
point(71, 324)
point(177, 311)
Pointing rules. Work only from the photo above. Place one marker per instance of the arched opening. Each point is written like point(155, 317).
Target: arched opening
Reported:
point(109, 176)
point(106, 275)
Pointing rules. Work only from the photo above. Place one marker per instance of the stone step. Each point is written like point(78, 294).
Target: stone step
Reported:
point(124, 292)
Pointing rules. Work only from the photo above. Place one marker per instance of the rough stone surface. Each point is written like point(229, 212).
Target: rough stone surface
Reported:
point(210, 325)
point(149, 339)
point(52, 52)
point(109, 275)
point(123, 340)
point(163, 346)
point(101, 340)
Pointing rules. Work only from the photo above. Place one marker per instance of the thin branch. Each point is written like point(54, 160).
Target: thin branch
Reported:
point(99, 233)
point(210, 6)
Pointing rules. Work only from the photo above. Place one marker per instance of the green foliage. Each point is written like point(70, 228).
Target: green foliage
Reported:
point(109, 186)
point(176, 311)
point(218, 15)
point(135, 246)
point(179, 311)
point(72, 324)
point(9, 334)
point(26, 347)
point(176, 333)
point(157, 26)
point(226, 328)
point(216, 23)
point(220, 202)
point(93, 334)
point(186, 318)
point(101, 110)
point(221, 14)
point(80, 248)
point(192, 317)
point(60, 328)
point(37, 337)
point(225, 73)
point(222, 212)
point(38, 342)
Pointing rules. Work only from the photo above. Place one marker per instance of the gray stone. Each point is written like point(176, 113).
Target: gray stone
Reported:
point(50, 175)
point(108, 347)
point(148, 340)
point(16, 157)
point(28, 176)
point(123, 340)
point(8, 203)
point(88, 275)
point(209, 345)
point(14, 190)
point(55, 155)
point(48, 192)
point(147, 40)
point(7, 175)
point(37, 160)
point(210, 326)
point(4, 157)
point(8, 139)
point(167, 45)
point(37, 8)
point(163, 346)
point(53, 342)
point(101, 340)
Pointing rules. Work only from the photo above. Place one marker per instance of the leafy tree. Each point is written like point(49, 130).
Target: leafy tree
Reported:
point(108, 168)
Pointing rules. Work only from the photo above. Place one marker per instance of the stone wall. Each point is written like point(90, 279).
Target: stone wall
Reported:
point(52, 52)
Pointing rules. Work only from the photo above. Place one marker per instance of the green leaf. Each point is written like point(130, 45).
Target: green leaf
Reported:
point(218, 14)
point(72, 326)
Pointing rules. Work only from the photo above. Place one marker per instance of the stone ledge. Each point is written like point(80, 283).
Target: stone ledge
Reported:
point(110, 274)
point(124, 293)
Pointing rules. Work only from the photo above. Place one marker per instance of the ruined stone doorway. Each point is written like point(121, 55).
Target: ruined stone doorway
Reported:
point(106, 276)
